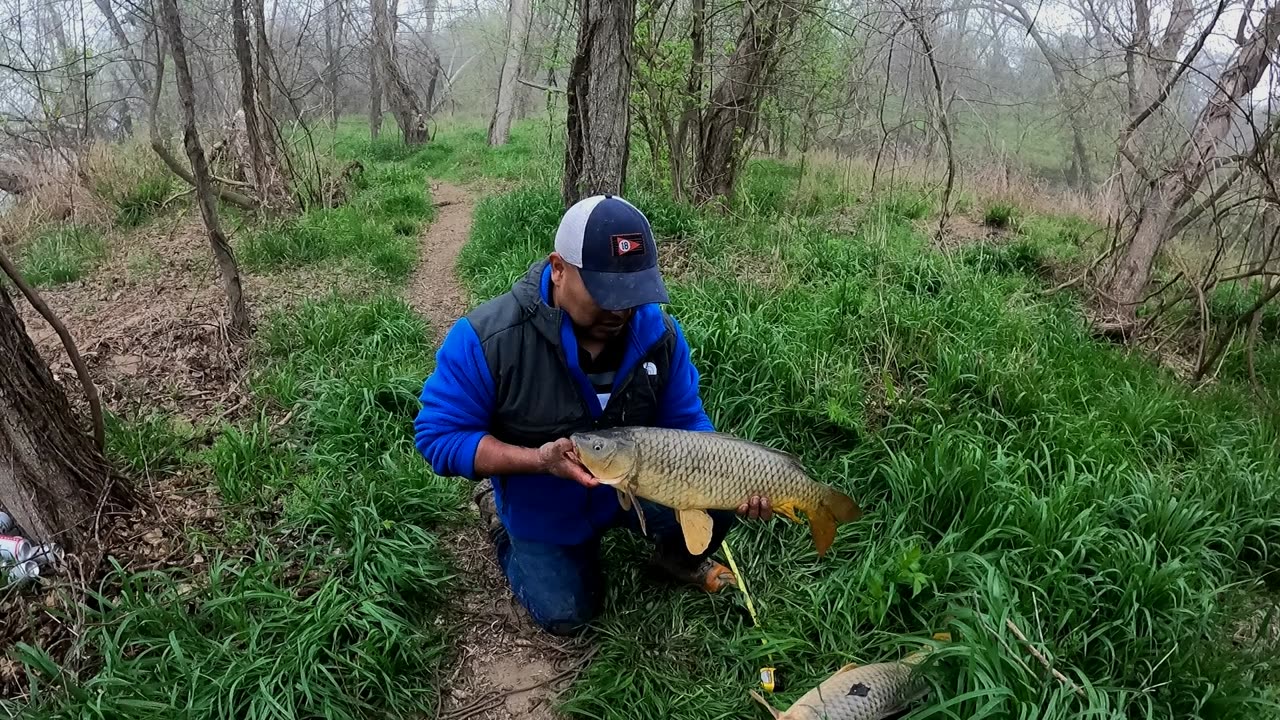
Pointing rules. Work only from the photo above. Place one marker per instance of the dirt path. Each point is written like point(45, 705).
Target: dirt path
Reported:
point(434, 290)
point(496, 650)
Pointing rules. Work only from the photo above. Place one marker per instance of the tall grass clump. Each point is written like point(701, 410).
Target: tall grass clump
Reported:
point(1012, 470)
point(378, 228)
point(61, 254)
point(130, 179)
point(999, 215)
point(149, 445)
point(332, 608)
point(143, 201)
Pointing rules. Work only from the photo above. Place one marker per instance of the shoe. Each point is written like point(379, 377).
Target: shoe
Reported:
point(709, 575)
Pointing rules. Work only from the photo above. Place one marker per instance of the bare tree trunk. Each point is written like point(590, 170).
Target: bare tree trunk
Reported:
point(691, 118)
point(599, 93)
point(248, 95)
point(268, 178)
point(52, 475)
point(1082, 174)
point(940, 111)
point(433, 55)
point(517, 22)
point(237, 310)
point(1131, 270)
point(332, 40)
point(400, 94)
point(375, 87)
point(264, 61)
point(735, 104)
point(122, 39)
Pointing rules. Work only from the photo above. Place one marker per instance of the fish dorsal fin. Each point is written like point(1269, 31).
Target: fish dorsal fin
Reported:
point(792, 459)
point(773, 712)
point(847, 668)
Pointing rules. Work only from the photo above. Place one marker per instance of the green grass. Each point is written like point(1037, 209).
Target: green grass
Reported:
point(322, 590)
point(61, 255)
point(1011, 468)
point(139, 203)
point(150, 445)
point(333, 608)
point(377, 228)
point(999, 215)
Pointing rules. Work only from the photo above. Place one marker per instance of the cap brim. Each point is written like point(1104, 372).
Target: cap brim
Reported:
point(620, 291)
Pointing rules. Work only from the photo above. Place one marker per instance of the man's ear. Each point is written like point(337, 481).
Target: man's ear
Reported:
point(557, 268)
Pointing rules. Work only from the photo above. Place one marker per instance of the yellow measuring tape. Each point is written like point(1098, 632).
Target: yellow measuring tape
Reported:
point(768, 676)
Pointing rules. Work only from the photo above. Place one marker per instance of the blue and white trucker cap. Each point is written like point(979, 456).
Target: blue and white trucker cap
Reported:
point(610, 242)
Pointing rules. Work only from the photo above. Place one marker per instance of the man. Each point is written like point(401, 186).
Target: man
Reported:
point(580, 342)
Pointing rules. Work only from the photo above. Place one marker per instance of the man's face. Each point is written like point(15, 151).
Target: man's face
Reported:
point(573, 298)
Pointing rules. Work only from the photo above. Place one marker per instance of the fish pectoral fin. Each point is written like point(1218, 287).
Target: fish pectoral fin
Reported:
point(823, 528)
point(773, 712)
point(847, 668)
point(696, 525)
point(639, 513)
point(624, 499)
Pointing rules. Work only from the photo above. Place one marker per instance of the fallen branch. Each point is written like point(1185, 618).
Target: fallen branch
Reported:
point(540, 86)
point(82, 372)
point(1043, 660)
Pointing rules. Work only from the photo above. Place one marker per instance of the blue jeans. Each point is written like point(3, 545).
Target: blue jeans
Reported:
point(562, 586)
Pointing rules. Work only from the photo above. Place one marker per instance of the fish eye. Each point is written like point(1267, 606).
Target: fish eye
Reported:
point(599, 446)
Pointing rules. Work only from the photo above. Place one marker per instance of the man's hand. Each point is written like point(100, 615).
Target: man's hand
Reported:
point(757, 508)
point(559, 458)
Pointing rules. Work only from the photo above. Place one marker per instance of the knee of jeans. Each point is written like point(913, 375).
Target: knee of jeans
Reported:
point(564, 621)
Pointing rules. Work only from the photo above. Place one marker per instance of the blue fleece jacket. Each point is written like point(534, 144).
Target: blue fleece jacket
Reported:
point(457, 402)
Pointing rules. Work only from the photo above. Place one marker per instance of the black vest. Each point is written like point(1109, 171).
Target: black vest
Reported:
point(537, 400)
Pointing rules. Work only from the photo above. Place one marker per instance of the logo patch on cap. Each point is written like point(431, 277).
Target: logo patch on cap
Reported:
point(627, 244)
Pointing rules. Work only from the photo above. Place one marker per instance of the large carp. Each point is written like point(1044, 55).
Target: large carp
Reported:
point(692, 472)
point(879, 691)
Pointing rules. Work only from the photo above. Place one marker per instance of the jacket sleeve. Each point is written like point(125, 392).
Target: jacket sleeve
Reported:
point(680, 406)
point(457, 401)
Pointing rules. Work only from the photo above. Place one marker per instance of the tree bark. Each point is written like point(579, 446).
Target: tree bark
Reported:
point(332, 41)
point(268, 177)
point(599, 108)
point(375, 86)
point(735, 103)
point(433, 55)
point(248, 95)
point(1131, 270)
point(264, 61)
point(52, 476)
point(504, 109)
point(400, 94)
point(237, 310)
point(691, 118)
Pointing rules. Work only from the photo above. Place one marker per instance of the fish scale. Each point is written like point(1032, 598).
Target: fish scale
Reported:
point(697, 471)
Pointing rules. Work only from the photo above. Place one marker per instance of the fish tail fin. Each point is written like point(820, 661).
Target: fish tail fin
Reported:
point(822, 525)
point(773, 712)
point(841, 506)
